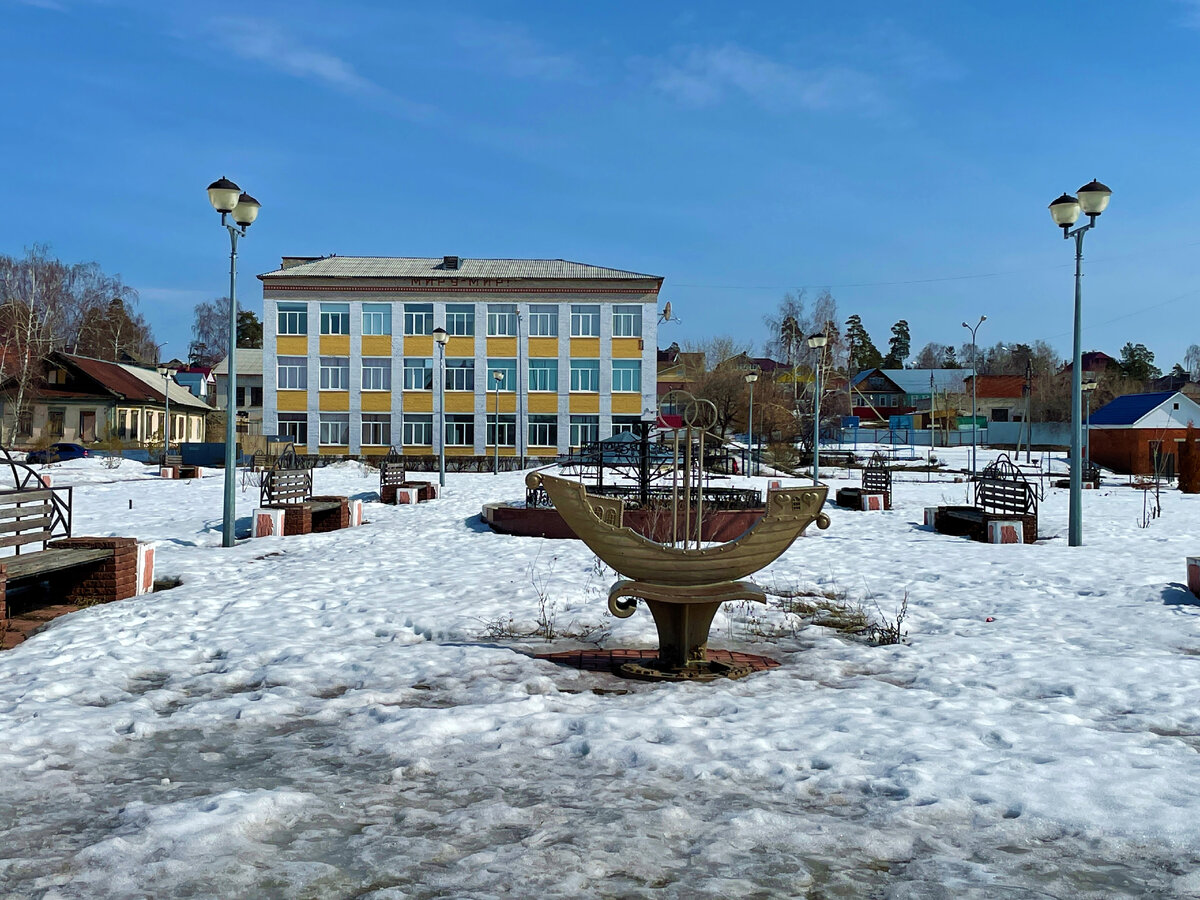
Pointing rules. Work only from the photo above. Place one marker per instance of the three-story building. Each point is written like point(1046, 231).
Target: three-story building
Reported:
point(351, 365)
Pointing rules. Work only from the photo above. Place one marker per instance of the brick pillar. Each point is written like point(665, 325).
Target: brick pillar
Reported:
point(110, 579)
point(297, 519)
point(387, 494)
point(333, 519)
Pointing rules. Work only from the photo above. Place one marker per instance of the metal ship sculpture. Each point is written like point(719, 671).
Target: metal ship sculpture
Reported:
point(683, 586)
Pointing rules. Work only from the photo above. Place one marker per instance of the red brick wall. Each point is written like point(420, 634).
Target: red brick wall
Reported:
point(1127, 450)
point(111, 579)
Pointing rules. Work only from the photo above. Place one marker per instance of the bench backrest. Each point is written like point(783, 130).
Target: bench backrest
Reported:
point(286, 486)
point(173, 459)
point(33, 517)
point(1002, 488)
point(877, 477)
point(392, 471)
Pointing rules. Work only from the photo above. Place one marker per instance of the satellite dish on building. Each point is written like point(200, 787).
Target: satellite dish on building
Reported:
point(666, 313)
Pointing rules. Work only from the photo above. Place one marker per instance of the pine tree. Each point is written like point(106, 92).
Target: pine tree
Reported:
point(862, 351)
point(951, 361)
point(899, 346)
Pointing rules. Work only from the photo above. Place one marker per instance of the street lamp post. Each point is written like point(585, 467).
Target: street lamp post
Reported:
point(751, 377)
point(974, 379)
point(440, 337)
point(817, 342)
point(167, 373)
point(1092, 200)
point(1087, 387)
point(497, 377)
point(227, 198)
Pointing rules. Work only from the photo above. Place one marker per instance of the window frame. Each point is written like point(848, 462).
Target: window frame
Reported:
point(382, 422)
point(284, 313)
point(286, 419)
point(427, 368)
point(578, 368)
point(326, 382)
point(537, 366)
point(411, 422)
point(593, 426)
point(502, 314)
point(384, 313)
point(331, 419)
point(382, 364)
point(632, 314)
point(625, 366)
point(508, 428)
point(418, 315)
point(509, 366)
point(460, 369)
point(460, 319)
point(543, 421)
point(540, 313)
point(463, 425)
point(582, 313)
point(332, 313)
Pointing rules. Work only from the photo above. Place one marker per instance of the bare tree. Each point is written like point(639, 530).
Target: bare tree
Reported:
point(31, 290)
point(1191, 361)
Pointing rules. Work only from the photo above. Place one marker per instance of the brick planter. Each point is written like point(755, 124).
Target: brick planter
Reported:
point(104, 581)
point(968, 521)
point(330, 519)
point(297, 519)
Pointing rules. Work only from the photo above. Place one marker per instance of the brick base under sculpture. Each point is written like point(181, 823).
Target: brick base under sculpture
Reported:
point(415, 491)
point(612, 660)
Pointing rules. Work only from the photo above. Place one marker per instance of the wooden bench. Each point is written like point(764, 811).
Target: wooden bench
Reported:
point(1002, 494)
point(876, 479)
point(393, 474)
point(287, 485)
point(1091, 475)
point(73, 569)
point(175, 461)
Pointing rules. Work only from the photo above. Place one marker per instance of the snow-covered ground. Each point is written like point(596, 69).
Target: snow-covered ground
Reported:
point(348, 715)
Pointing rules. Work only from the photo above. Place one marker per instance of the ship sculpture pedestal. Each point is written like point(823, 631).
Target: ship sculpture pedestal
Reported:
point(683, 617)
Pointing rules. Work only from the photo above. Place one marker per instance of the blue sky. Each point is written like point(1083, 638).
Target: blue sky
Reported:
point(902, 155)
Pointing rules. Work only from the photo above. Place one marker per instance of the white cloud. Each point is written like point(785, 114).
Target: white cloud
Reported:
point(707, 75)
point(265, 42)
point(511, 49)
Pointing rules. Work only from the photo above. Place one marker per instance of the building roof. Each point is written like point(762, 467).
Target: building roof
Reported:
point(1132, 409)
point(132, 383)
point(249, 362)
point(998, 386)
point(435, 267)
point(916, 381)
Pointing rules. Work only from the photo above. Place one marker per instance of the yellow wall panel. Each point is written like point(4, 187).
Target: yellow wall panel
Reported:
point(333, 450)
point(502, 347)
point(460, 401)
point(291, 401)
point(418, 401)
point(542, 403)
point(542, 347)
point(335, 345)
point(334, 401)
point(543, 451)
point(585, 404)
point(292, 345)
point(460, 346)
point(585, 348)
point(418, 345)
point(627, 348)
point(376, 345)
point(508, 402)
point(376, 401)
point(374, 451)
point(417, 451)
point(624, 404)
point(460, 451)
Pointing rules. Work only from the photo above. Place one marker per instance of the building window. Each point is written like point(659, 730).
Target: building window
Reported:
point(460, 319)
point(508, 430)
point(508, 368)
point(335, 318)
point(543, 320)
point(376, 430)
point(295, 426)
point(291, 373)
point(627, 375)
point(418, 318)
point(627, 321)
point(377, 318)
point(418, 374)
point(460, 373)
point(418, 431)
point(622, 424)
point(56, 420)
point(543, 375)
point(502, 320)
point(999, 415)
point(335, 429)
point(584, 430)
point(376, 373)
point(585, 321)
point(543, 431)
point(460, 431)
point(249, 396)
point(585, 375)
point(335, 373)
point(292, 318)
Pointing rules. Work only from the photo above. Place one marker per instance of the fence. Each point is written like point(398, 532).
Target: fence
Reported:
point(996, 434)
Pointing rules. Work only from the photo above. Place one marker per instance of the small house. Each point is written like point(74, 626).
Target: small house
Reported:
point(1138, 434)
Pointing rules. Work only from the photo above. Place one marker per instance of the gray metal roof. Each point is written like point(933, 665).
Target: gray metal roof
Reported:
point(249, 362)
point(916, 381)
point(422, 267)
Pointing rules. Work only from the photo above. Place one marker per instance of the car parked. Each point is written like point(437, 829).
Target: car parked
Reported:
point(58, 453)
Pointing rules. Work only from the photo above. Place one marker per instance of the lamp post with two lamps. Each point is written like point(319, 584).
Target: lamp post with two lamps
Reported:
point(440, 337)
point(1092, 200)
point(229, 199)
point(974, 379)
point(751, 377)
point(817, 342)
point(498, 378)
point(167, 372)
